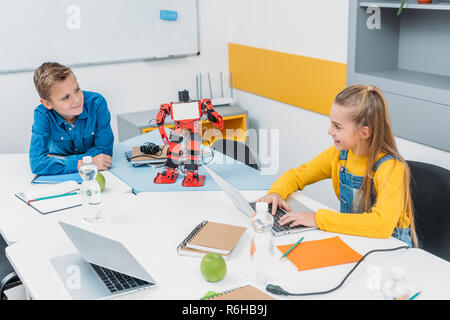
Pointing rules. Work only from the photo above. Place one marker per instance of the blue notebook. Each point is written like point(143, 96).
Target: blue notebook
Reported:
point(57, 178)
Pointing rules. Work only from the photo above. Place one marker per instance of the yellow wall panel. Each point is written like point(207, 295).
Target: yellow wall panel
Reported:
point(305, 82)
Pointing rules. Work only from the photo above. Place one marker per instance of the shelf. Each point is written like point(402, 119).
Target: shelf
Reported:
point(427, 83)
point(235, 128)
point(407, 58)
point(410, 4)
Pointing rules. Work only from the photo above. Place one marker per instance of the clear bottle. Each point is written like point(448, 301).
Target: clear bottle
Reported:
point(395, 286)
point(261, 246)
point(90, 191)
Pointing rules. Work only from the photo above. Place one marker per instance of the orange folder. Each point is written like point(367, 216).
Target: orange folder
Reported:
point(320, 253)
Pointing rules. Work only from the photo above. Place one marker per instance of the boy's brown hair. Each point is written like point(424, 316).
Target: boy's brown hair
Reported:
point(47, 75)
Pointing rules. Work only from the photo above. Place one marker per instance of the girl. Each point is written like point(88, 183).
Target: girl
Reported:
point(369, 176)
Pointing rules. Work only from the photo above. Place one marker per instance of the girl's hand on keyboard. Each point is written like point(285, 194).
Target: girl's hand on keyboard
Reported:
point(276, 200)
point(307, 219)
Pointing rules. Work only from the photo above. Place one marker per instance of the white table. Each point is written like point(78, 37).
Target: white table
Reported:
point(151, 225)
point(19, 221)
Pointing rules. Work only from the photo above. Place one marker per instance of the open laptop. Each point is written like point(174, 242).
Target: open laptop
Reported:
point(248, 208)
point(103, 268)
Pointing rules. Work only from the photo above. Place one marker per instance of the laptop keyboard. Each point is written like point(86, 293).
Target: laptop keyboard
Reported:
point(116, 281)
point(276, 219)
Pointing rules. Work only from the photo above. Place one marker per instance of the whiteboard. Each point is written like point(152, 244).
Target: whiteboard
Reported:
point(84, 32)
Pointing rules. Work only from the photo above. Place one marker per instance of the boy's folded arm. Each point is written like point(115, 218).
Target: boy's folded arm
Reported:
point(40, 162)
point(43, 164)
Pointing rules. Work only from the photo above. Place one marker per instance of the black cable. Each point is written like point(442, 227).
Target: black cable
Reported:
point(274, 289)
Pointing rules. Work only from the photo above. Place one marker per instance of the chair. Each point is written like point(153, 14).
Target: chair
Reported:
point(238, 151)
point(9, 278)
point(430, 192)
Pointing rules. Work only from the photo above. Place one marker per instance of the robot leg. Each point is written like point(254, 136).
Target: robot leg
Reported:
point(170, 173)
point(192, 178)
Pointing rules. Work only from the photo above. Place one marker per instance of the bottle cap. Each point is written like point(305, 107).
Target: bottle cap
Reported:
point(261, 206)
point(87, 159)
point(397, 272)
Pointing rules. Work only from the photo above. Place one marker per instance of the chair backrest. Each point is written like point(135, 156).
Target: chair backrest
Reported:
point(236, 150)
point(5, 266)
point(430, 192)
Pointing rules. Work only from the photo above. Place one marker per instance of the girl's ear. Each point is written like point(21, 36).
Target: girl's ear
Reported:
point(46, 104)
point(364, 132)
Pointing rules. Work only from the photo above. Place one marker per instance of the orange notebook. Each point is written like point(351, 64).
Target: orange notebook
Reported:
point(320, 253)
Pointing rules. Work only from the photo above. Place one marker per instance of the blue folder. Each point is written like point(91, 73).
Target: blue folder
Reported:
point(57, 178)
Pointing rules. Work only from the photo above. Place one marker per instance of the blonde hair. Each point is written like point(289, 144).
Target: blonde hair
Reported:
point(47, 75)
point(370, 110)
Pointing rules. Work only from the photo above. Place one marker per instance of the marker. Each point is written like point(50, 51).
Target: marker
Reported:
point(292, 248)
point(52, 197)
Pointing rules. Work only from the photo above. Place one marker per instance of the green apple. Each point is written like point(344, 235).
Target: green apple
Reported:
point(101, 181)
point(213, 267)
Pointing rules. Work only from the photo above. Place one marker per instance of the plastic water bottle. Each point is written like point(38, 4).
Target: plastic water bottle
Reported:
point(90, 191)
point(261, 246)
point(396, 287)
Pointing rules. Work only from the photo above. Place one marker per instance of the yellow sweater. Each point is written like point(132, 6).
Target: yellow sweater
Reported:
point(387, 212)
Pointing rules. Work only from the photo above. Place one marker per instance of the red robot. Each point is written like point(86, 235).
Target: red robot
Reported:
point(185, 139)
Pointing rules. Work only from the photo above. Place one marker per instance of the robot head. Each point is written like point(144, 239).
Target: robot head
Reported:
point(183, 96)
point(186, 109)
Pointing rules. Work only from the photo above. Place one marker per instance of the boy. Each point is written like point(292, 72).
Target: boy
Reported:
point(69, 123)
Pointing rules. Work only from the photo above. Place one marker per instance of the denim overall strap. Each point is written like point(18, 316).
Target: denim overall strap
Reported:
point(380, 161)
point(349, 185)
point(343, 155)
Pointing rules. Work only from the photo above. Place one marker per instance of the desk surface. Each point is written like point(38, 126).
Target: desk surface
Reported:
point(137, 224)
point(17, 220)
point(241, 176)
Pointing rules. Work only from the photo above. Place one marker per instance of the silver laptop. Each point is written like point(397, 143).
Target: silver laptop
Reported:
point(103, 268)
point(248, 208)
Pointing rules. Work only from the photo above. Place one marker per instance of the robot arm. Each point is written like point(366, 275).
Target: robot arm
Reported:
point(164, 111)
point(215, 118)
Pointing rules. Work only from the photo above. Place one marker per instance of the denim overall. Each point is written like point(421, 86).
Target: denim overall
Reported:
point(349, 185)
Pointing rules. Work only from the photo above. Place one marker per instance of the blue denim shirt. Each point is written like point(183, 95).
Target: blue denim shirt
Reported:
point(51, 134)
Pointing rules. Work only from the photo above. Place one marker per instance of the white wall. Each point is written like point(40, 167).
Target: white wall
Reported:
point(309, 28)
point(127, 87)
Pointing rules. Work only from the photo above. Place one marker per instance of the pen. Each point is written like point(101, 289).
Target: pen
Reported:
point(415, 295)
point(292, 248)
point(52, 197)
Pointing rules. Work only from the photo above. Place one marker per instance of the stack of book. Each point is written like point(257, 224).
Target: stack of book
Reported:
point(138, 158)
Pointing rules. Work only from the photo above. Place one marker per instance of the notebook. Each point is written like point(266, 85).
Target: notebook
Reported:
point(138, 158)
point(320, 253)
point(243, 293)
point(211, 237)
point(60, 196)
point(52, 179)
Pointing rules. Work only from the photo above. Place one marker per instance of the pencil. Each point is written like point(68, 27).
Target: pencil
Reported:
point(415, 295)
point(52, 197)
point(292, 248)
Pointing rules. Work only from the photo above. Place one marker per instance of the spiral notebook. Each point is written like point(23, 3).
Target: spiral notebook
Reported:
point(242, 293)
point(211, 237)
point(52, 198)
point(138, 158)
